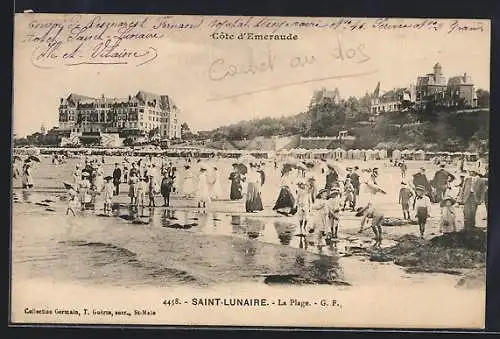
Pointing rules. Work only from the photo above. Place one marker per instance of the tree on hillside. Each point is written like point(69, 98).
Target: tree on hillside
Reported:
point(483, 98)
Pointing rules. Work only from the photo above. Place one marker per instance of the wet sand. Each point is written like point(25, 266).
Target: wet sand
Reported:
point(225, 251)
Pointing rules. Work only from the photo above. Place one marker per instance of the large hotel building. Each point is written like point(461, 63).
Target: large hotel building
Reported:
point(135, 115)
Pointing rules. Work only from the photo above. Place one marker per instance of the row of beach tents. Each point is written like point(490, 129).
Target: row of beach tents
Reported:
point(374, 154)
point(298, 153)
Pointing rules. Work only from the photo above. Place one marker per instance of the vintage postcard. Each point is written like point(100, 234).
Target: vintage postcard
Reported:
point(249, 171)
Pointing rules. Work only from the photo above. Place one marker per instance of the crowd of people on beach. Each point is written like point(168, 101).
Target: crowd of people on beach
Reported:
point(317, 192)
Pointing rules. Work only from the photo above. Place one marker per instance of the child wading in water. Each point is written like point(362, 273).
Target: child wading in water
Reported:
point(422, 206)
point(72, 201)
point(304, 202)
point(405, 195)
point(334, 211)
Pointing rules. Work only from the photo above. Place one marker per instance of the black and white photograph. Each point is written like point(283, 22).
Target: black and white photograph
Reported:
point(249, 171)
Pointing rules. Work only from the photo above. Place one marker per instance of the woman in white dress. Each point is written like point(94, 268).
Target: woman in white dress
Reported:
point(27, 176)
point(203, 192)
point(215, 187)
point(188, 186)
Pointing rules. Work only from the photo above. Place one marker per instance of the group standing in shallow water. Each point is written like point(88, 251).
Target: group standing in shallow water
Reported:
point(318, 208)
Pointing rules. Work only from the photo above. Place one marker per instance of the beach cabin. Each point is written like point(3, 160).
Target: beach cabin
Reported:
point(349, 154)
point(356, 154)
point(396, 155)
point(339, 153)
point(406, 154)
point(419, 155)
point(382, 154)
point(371, 154)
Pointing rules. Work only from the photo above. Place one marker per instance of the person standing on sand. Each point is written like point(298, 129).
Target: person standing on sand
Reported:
point(403, 167)
point(286, 202)
point(441, 180)
point(107, 193)
point(448, 223)
point(236, 187)
point(356, 183)
point(117, 178)
point(420, 179)
point(253, 199)
point(188, 186)
point(405, 195)
point(422, 207)
point(304, 203)
point(166, 186)
point(471, 196)
point(203, 193)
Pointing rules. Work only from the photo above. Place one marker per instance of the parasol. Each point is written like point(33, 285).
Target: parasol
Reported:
point(69, 185)
point(301, 166)
point(34, 158)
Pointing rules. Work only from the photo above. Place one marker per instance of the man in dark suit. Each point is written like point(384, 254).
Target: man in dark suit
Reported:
point(117, 178)
point(471, 196)
point(420, 179)
point(441, 180)
point(356, 184)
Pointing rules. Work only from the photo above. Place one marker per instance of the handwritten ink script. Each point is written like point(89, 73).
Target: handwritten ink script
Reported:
point(73, 40)
point(79, 39)
point(220, 69)
point(275, 25)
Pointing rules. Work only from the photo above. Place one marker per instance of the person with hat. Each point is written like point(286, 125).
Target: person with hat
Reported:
point(471, 196)
point(253, 201)
point(441, 181)
point(141, 191)
point(107, 194)
point(422, 207)
point(117, 178)
point(448, 216)
point(405, 195)
point(321, 211)
point(203, 192)
point(331, 177)
point(304, 202)
point(356, 183)
point(83, 189)
point(27, 180)
point(286, 202)
point(420, 179)
point(349, 193)
point(77, 174)
point(403, 167)
point(334, 201)
point(236, 188)
point(188, 186)
point(166, 186)
point(151, 189)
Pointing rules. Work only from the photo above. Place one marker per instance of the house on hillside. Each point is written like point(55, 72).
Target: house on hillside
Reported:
point(433, 88)
point(395, 100)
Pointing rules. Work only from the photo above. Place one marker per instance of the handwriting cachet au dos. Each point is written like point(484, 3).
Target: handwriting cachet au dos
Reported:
point(220, 69)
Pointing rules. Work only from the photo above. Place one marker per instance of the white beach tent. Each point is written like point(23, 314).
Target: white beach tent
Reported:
point(420, 155)
point(350, 154)
point(370, 154)
point(356, 154)
point(396, 154)
point(382, 153)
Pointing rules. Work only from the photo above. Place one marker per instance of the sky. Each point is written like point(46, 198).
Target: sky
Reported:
point(190, 68)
